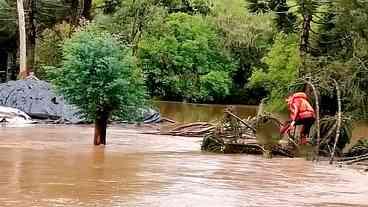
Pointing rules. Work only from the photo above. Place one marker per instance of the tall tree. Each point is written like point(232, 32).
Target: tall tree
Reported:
point(22, 40)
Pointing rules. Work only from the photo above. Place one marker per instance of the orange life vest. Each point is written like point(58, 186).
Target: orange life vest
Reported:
point(299, 107)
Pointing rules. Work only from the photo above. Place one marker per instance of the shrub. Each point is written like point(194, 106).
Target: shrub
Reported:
point(99, 76)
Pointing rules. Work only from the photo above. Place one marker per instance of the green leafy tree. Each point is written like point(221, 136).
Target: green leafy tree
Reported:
point(181, 54)
point(285, 19)
point(203, 7)
point(340, 46)
point(248, 37)
point(282, 62)
point(100, 77)
point(130, 19)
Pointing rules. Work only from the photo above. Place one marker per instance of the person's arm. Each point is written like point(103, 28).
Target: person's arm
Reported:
point(294, 113)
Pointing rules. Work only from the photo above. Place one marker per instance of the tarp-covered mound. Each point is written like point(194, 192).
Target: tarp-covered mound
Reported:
point(38, 100)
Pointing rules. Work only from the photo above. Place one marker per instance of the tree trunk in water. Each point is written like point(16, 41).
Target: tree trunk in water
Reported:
point(100, 128)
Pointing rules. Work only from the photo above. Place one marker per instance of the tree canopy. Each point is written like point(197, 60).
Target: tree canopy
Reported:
point(236, 51)
point(183, 59)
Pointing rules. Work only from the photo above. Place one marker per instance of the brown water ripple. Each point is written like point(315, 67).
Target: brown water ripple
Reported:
point(58, 166)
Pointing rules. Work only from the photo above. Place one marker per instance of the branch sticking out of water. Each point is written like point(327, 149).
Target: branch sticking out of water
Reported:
point(338, 120)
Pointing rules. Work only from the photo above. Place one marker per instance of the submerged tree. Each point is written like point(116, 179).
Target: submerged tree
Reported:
point(100, 77)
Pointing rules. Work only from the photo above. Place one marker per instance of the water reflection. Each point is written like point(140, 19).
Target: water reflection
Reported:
point(186, 112)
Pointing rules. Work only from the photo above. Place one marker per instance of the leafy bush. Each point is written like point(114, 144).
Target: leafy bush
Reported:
point(215, 85)
point(100, 77)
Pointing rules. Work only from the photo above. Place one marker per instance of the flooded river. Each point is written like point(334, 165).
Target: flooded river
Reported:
point(59, 166)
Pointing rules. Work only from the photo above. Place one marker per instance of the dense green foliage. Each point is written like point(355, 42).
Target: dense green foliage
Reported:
point(183, 59)
point(8, 27)
point(45, 13)
point(99, 75)
point(282, 61)
point(235, 51)
point(248, 38)
point(285, 20)
point(49, 48)
point(336, 50)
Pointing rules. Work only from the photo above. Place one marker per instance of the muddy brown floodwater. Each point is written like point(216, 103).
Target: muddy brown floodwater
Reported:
point(58, 166)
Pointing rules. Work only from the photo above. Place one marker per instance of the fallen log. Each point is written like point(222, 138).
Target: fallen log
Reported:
point(347, 159)
point(197, 129)
point(185, 126)
point(165, 119)
point(360, 159)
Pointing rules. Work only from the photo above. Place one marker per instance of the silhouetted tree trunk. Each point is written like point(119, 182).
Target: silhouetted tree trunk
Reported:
point(30, 6)
point(87, 9)
point(22, 40)
point(304, 37)
point(100, 127)
point(77, 7)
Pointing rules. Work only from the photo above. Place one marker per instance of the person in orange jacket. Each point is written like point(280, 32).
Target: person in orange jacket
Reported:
point(301, 113)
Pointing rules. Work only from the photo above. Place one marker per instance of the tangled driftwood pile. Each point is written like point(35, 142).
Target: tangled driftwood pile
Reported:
point(261, 135)
point(235, 135)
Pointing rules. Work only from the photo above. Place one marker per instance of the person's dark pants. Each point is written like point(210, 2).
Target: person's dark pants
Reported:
point(306, 126)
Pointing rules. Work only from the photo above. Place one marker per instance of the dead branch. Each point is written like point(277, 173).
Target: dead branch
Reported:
point(165, 119)
point(316, 97)
point(181, 127)
point(360, 159)
point(352, 158)
point(239, 119)
point(333, 128)
point(338, 120)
